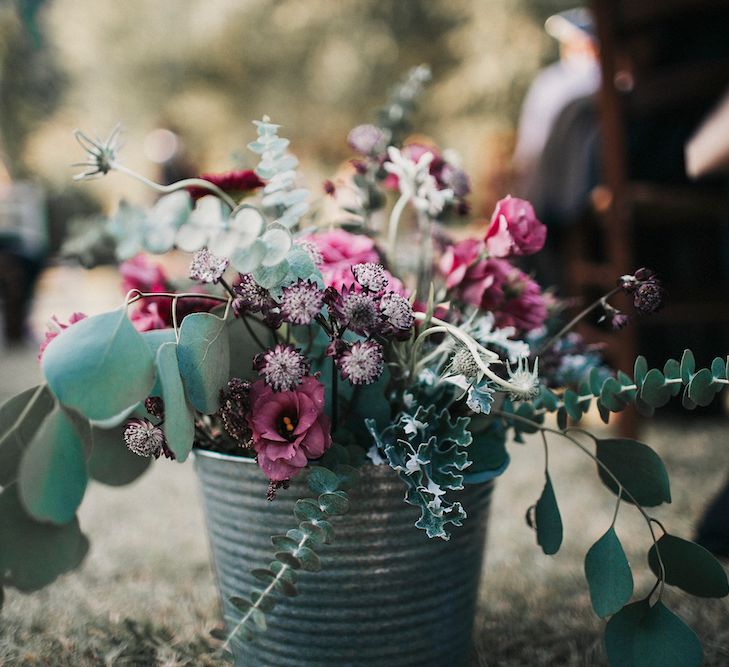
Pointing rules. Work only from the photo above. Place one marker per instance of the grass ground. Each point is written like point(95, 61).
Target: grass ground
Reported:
point(145, 595)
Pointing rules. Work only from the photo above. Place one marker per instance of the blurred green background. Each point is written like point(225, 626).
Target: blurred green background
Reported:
point(206, 68)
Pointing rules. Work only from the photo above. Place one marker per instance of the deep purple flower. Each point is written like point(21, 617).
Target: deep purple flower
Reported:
point(282, 367)
point(233, 410)
point(301, 302)
point(288, 427)
point(250, 296)
point(649, 297)
point(155, 406)
point(371, 276)
point(206, 267)
point(362, 363)
point(144, 438)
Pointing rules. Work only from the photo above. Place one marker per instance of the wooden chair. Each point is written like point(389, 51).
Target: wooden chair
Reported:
point(658, 80)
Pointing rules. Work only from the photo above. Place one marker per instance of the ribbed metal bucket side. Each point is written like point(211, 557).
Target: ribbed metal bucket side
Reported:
point(386, 595)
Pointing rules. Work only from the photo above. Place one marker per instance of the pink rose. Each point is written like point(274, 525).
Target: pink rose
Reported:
point(514, 229)
point(55, 327)
point(288, 427)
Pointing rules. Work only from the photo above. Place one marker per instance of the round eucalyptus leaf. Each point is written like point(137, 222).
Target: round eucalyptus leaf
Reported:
point(284, 543)
point(638, 468)
point(548, 521)
point(204, 221)
point(334, 503)
point(718, 369)
point(654, 389)
point(52, 474)
point(284, 572)
point(271, 277)
point(179, 423)
point(608, 575)
point(259, 618)
point(307, 509)
point(278, 243)
point(322, 480)
point(309, 560)
point(688, 366)
point(640, 369)
point(265, 603)
point(662, 639)
point(287, 558)
point(248, 259)
point(690, 567)
point(33, 554)
point(702, 389)
point(241, 604)
point(14, 441)
point(610, 395)
point(100, 366)
point(203, 354)
point(110, 461)
point(312, 532)
point(248, 223)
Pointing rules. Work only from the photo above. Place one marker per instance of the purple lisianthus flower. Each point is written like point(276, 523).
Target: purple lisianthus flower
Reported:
point(288, 427)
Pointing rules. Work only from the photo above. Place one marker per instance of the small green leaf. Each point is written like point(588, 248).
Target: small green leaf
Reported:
point(265, 603)
point(110, 461)
point(52, 475)
point(284, 543)
point(571, 405)
point(688, 366)
point(610, 395)
point(263, 575)
point(287, 558)
point(100, 366)
point(672, 371)
point(271, 277)
point(718, 369)
point(259, 618)
point(701, 388)
point(638, 468)
point(548, 521)
point(283, 572)
point(307, 509)
point(322, 480)
point(179, 424)
point(334, 503)
point(548, 399)
point(654, 389)
point(608, 575)
point(312, 531)
point(241, 604)
point(639, 370)
point(561, 419)
point(347, 475)
point(14, 441)
point(309, 560)
point(690, 567)
point(595, 380)
point(686, 401)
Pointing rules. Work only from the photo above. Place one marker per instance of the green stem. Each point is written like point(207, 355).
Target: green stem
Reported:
point(395, 216)
point(179, 185)
point(575, 320)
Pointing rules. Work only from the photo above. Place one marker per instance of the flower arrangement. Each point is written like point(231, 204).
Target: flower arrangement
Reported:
point(310, 346)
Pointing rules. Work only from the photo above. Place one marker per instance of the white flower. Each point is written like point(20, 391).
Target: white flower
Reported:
point(415, 181)
point(486, 333)
point(524, 383)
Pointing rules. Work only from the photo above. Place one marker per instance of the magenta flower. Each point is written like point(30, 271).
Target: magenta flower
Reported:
point(55, 327)
point(514, 229)
point(339, 251)
point(288, 427)
point(141, 274)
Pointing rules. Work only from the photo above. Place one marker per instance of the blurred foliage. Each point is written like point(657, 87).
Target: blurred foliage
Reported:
point(207, 67)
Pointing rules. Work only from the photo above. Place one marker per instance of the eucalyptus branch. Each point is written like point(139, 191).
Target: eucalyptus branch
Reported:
point(621, 489)
point(178, 185)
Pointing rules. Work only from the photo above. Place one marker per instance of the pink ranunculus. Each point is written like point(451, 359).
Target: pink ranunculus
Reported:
point(457, 258)
point(514, 229)
point(288, 427)
point(147, 317)
point(340, 250)
point(55, 327)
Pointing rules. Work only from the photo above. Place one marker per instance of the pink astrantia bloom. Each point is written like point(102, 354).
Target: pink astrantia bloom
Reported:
point(288, 427)
point(514, 229)
point(55, 327)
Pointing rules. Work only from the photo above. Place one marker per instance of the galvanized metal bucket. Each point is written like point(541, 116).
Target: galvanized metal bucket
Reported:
point(386, 595)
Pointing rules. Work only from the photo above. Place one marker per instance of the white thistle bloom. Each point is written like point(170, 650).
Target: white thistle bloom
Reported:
point(524, 382)
point(100, 155)
point(487, 333)
point(416, 182)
